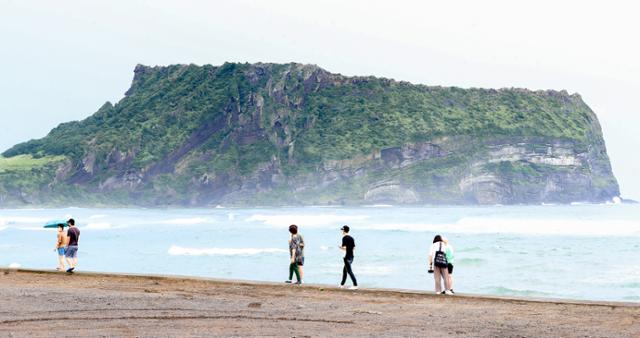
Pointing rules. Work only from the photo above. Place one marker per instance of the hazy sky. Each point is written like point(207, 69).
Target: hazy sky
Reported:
point(61, 60)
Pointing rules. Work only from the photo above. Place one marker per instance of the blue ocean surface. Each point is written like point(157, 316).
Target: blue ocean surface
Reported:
point(587, 252)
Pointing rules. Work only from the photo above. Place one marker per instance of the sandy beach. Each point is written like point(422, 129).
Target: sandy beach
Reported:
point(50, 304)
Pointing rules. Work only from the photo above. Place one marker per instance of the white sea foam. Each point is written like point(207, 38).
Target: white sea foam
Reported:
point(175, 250)
point(22, 220)
point(305, 220)
point(324, 248)
point(39, 228)
point(2, 228)
point(538, 226)
point(187, 221)
point(98, 226)
point(14, 265)
point(97, 216)
point(372, 270)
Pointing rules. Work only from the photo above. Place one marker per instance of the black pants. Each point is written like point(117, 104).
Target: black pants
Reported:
point(347, 270)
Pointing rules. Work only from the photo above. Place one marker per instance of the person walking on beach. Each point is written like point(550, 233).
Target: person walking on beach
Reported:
point(71, 252)
point(449, 253)
point(438, 265)
point(61, 242)
point(296, 253)
point(348, 245)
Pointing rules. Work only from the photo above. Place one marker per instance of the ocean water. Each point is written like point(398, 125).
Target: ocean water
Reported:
point(578, 252)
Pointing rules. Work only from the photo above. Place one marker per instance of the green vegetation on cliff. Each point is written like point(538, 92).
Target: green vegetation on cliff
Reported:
point(243, 133)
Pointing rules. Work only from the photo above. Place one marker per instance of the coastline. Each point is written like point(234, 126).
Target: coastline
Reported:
point(48, 303)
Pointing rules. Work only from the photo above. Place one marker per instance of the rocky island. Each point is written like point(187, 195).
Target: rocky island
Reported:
point(294, 134)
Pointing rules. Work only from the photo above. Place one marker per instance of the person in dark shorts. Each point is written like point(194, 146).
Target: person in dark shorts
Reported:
point(296, 253)
point(71, 251)
point(348, 245)
point(449, 254)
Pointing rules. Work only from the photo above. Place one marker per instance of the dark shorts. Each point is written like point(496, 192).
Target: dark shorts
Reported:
point(71, 251)
point(300, 261)
point(450, 268)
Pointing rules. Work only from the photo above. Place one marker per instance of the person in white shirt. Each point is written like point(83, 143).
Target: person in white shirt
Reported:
point(438, 265)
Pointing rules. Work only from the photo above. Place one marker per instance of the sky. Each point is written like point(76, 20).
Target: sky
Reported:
point(61, 60)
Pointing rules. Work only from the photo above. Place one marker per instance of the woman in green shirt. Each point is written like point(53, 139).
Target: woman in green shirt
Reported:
point(449, 253)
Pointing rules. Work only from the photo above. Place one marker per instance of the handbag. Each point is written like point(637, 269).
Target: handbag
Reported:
point(440, 260)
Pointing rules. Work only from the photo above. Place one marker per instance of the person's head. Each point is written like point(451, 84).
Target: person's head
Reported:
point(71, 222)
point(345, 229)
point(60, 227)
point(293, 229)
point(437, 239)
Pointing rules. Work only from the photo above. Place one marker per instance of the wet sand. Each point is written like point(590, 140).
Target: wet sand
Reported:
point(50, 304)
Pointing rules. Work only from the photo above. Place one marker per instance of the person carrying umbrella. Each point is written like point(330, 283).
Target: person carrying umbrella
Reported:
point(61, 243)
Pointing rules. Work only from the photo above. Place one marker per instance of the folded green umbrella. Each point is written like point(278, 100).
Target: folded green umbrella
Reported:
point(54, 223)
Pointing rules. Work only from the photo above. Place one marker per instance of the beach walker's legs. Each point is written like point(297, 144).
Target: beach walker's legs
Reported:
point(447, 279)
point(347, 270)
point(293, 268)
point(301, 270)
point(437, 275)
point(61, 262)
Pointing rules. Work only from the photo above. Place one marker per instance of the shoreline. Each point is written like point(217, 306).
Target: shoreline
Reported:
point(46, 303)
point(397, 291)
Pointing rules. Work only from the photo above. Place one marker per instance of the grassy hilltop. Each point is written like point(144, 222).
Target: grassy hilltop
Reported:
point(297, 134)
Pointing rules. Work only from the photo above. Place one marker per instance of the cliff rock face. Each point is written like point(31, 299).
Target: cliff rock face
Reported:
point(273, 134)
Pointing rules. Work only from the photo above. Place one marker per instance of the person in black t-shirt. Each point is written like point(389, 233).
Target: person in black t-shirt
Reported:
point(348, 245)
point(71, 251)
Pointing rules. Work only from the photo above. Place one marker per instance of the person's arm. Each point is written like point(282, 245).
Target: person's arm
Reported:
point(292, 250)
point(343, 247)
point(431, 257)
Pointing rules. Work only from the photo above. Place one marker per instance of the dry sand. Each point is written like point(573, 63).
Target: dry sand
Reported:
point(48, 304)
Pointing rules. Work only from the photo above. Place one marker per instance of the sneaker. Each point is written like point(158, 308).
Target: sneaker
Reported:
point(440, 293)
point(354, 287)
point(451, 290)
point(298, 282)
point(70, 270)
point(447, 292)
point(341, 286)
point(288, 281)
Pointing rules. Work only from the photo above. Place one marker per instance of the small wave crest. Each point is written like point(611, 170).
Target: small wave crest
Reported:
point(469, 261)
point(187, 221)
point(305, 220)
point(369, 270)
point(531, 226)
point(501, 290)
point(98, 226)
point(175, 250)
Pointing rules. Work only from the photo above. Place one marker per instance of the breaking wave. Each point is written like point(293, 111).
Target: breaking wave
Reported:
point(305, 220)
point(98, 226)
point(175, 250)
point(187, 221)
point(539, 226)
